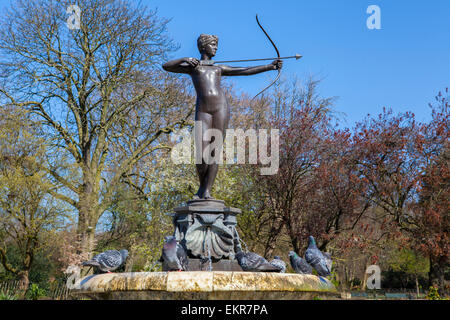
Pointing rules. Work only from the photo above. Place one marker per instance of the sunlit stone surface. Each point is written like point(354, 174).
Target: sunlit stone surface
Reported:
point(204, 285)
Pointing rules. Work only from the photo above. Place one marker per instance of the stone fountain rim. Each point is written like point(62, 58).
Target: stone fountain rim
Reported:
point(203, 282)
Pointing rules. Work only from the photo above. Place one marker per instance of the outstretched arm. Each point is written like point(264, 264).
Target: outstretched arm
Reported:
point(246, 71)
point(182, 65)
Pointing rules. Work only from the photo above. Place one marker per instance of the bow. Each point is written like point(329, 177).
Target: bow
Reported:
point(278, 55)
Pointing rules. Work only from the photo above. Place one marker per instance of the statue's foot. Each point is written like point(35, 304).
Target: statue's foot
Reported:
point(207, 195)
point(200, 193)
point(195, 197)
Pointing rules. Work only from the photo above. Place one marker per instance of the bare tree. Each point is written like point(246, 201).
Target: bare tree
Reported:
point(98, 90)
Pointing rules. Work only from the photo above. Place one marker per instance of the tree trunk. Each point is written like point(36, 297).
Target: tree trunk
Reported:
point(24, 283)
point(87, 240)
point(86, 228)
point(436, 274)
point(86, 236)
point(348, 277)
point(364, 282)
point(295, 244)
point(272, 238)
point(129, 263)
point(417, 285)
point(88, 215)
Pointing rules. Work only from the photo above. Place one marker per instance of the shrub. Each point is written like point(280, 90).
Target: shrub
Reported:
point(7, 296)
point(34, 292)
point(433, 294)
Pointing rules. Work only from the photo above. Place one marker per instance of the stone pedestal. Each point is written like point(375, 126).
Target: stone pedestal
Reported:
point(206, 228)
point(221, 265)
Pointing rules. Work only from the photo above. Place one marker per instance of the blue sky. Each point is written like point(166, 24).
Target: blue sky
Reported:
point(401, 66)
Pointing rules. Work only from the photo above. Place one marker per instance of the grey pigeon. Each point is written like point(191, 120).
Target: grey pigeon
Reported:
point(299, 264)
point(108, 261)
point(250, 261)
point(316, 258)
point(278, 263)
point(174, 257)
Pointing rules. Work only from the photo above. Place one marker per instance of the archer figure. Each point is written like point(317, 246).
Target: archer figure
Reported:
point(212, 108)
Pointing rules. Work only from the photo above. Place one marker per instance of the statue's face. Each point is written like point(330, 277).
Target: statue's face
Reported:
point(211, 49)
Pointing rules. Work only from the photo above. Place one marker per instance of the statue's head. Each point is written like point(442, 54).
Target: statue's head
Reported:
point(207, 43)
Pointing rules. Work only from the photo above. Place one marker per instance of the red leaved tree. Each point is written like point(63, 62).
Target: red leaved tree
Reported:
point(388, 162)
point(431, 213)
point(303, 120)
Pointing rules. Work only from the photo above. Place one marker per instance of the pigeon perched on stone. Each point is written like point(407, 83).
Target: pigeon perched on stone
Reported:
point(299, 264)
point(173, 255)
point(250, 261)
point(316, 258)
point(278, 263)
point(108, 261)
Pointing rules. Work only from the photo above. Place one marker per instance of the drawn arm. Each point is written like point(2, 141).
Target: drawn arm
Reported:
point(246, 71)
point(182, 65)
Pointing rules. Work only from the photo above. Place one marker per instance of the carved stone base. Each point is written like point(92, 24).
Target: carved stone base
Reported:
point(207, 228)
point(221, 265)
point(206, 203)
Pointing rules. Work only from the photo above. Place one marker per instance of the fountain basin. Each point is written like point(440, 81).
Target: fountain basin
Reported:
point(204, 285)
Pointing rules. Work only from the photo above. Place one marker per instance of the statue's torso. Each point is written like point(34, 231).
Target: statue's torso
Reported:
point(210, 97)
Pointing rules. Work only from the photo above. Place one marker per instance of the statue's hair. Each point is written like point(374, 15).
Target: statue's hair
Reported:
point(205, 39)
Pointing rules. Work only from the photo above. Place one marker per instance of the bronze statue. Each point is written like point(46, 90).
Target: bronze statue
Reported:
point(212, 108)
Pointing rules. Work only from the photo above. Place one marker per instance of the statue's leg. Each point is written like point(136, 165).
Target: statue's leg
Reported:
point(220, 122)
point(202, 168)
point(202, 173)
point(210, 177)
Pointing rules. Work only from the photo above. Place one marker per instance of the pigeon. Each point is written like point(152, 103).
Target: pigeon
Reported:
point(108, 261)
point(277, 262)
point(173, 256)
point(250, 261)
point(299, 264)
point(316, 258)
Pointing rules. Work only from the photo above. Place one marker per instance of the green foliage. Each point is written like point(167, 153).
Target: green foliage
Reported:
point(406, 268)
point(139, 220)
point(409, 261)
point(43, 267)
point(35, 292)
point(7, 296)
point(13, 257)
point(29, 218)
point(334, 278)
point(433, 294)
